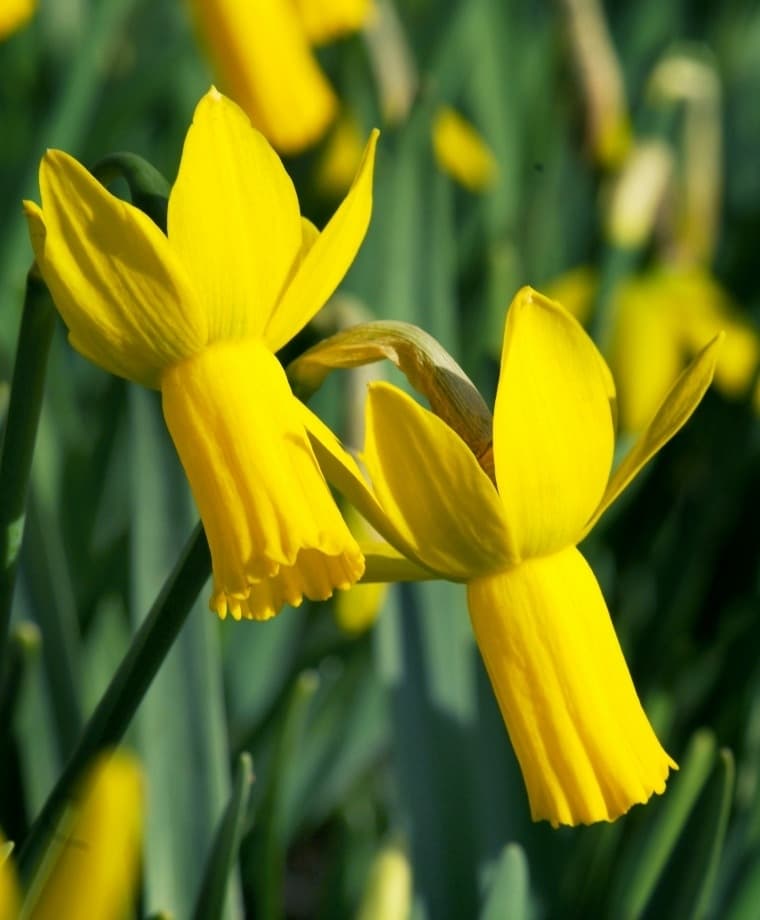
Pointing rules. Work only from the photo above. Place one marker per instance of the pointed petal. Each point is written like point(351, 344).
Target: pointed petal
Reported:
point(343, 473)
point(431, 486)
point(273, 528)
point(233, 219)
point(266, 64)
point(328, 259)
point(683, 398)
point(585, 746)
point(553, 434)
point(122, 293)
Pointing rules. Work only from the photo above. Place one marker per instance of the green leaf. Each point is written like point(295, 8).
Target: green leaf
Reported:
point(221, 859)
point(509, 888)
point(646, 858)
point(19, 436)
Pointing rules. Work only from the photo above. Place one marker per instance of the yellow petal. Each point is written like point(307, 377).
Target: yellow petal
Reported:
point(343, 473)
point(553, 433)
point(121, 291)
point(383, 563)
point(585, 746)
point(14, 14)
point(233, 219)
point(357, 609)
point(431, 486)
point(325, 20)
point(683, 398)
point(328, 259)
point(10, 893)
point(273, 528)
point(96, 870)
point(461, 151)
point(646, 353)
point(265, 62)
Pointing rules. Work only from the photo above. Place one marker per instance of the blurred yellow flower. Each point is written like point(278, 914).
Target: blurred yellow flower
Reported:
point(585, 746)
point(14, 14)
point(325, 20)
point(10, 893)
point(261, 50)
point(388, 893)
point(199, 315)
point(341, 155)
point(662, 318)
point(92, 864)
point(461, 151)
point(94, 871)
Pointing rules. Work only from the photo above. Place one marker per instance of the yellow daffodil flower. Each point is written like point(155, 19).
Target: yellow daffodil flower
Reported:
point(91, 868)
point(199, 315)
point(461, 152)
point(584, 744)
point(262, 52)
point(14, 14)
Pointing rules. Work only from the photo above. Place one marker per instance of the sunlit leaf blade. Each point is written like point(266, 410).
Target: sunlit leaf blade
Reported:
point(223, 854)
point(510, 887)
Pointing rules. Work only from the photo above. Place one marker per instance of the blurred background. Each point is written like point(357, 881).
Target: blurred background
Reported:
point(605, 154)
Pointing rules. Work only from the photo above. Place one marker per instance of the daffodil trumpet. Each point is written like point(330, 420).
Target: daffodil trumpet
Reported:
point(198, 313)
point(585, 746)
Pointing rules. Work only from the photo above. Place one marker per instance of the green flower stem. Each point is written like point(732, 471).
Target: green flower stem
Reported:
point(127, 688)
point(27, 387)
point(221, 859)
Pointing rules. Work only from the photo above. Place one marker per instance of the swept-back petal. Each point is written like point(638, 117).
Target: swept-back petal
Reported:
point(122, 293)
point(233, 219)
point(553, 432)
point(585, 746)
point(265, 62)
point(324, 22)
point(683, 398)
point(343, 473)
point(328, 259)
point(430, 484)
point(273, 528)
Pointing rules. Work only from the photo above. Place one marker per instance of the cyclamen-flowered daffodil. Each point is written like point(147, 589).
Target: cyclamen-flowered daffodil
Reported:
point(585, 746)
point(199, 313)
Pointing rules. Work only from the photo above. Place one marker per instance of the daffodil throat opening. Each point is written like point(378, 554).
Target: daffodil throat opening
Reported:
point(273, 528)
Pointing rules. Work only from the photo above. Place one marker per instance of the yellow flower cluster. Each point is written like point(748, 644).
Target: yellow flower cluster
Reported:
point(199, 313)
